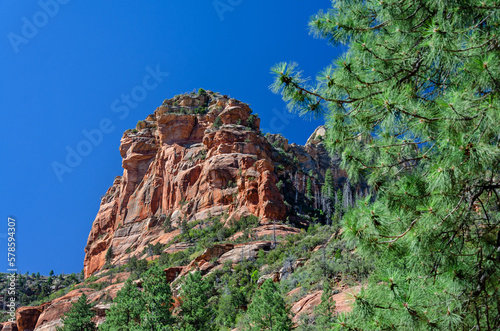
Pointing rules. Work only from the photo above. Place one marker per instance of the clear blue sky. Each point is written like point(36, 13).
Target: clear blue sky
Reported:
point(61, 74)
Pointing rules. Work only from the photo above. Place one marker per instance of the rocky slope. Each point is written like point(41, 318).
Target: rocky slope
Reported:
point(47, 316)
point(201, 155)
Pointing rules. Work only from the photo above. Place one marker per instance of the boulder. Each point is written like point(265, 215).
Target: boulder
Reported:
point(306, 305)
point(245, 252)
point(27, 317)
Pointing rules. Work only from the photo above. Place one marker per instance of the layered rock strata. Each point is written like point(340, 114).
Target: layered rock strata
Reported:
point(198, 156)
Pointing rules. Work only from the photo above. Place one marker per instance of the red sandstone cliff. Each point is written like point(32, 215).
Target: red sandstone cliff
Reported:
point(198, 155)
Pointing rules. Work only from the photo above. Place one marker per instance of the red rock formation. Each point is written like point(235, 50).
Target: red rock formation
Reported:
point(8, 326)
point(180, 166)
point(270, 231)
point(48, 316)
point(172, 273)
point(275, 277)
point(244, 252)
point(345, 299)
point(306, 305)
point(27, 317)
point(196, 156)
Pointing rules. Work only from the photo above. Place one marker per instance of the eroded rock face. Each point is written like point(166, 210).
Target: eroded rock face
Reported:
point(197, 156)
point(8, 326)
point(306, 305)
point(27, 317)
point(51, 312)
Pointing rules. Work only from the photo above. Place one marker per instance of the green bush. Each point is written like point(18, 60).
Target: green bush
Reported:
point(217, 122)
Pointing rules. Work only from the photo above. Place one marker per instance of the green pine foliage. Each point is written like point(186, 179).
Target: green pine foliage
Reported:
point(228, 306)
point(217, 122)
point(268, 310)
point(328, 188)
point(79, 318)
point(109, 255)
point(158, 297)
point(413, 108)
point(309, 191)
point(127, 309)
point(325, 311)
point(196, 314)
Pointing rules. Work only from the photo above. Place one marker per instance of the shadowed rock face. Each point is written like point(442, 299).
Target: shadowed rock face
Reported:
point(8, 326)
point(27, 317)
point(197, 156)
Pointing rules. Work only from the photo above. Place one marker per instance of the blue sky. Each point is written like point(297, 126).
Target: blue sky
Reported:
point(66, 73)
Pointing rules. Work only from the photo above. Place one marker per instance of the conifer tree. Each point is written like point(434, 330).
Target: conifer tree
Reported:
point(268, 310)
point(158, 297)
point(228, 306)
point(309, 191)
point(326, 309)
point(413, 107)
point(126, 310)
point(109, 255)
point(328, 193)
point(196, 314)
point(79, 318)
point(328, 188)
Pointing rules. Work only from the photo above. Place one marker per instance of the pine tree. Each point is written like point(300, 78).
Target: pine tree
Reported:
point(217, 122)
point(338, 209)
point(329, 185)
point(196, 314)
point(413, 107)
point(79, 318)
point(126, 310)
point(228, 307)
point(326, 309)
point(268, 310)
point(109, 255)
point(309, 190)
point(158, 297)
point(328, 193)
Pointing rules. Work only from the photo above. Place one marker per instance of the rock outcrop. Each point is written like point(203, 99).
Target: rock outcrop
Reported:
point(47, 317)
point(198, 156)
point(27, 317)
point(8, 326)
point(306, 305)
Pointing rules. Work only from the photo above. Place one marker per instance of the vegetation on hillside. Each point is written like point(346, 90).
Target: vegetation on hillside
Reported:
point(222, 300)
point(33, 289)
point(413, 112)
point(79, 318)
point(413, 107)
